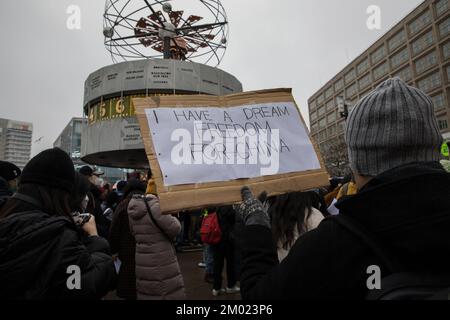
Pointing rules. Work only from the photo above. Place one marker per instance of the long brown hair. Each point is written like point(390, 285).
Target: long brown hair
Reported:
point(288, 213)
point(53, 201)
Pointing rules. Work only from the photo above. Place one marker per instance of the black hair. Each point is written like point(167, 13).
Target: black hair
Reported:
point(80, 190)
point(134, 185)
point(288, 212)
point(318, 202)
point(112, 199)
point(53, 201)
point(121, 185)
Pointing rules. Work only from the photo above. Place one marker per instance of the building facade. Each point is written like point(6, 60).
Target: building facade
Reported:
point(70, 141)
point(417, 50)
point(15, 141)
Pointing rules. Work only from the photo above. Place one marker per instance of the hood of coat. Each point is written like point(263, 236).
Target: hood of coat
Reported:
point(27, 243)
point(137, 208)
point(408, 209)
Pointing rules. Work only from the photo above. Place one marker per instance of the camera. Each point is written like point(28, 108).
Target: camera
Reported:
point(81, 219)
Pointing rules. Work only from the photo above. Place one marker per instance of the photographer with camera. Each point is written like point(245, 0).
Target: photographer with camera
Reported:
point(40, 242)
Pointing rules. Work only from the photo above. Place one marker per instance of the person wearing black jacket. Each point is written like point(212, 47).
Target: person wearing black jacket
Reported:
point(393, 140)
point(5, 193)
point(9, 173)
point(123, 243)
point(95, 201)
point(44, 255)
point(225, 250)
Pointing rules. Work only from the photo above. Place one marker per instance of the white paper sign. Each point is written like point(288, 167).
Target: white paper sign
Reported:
point(201, 145)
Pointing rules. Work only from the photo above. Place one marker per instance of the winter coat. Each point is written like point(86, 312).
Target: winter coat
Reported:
point(226, 216)
point(122, 243)
point(103, 224)
point(36, 251)
point(5, 194)
point(158, 275)
point(406, 209)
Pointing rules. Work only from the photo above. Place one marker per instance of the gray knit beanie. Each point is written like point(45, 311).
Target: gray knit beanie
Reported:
point(392, 126)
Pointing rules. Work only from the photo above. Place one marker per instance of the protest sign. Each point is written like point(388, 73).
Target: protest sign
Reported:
point(203, 149)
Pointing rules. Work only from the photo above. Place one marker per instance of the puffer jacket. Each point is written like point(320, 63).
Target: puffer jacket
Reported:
point(158, 275)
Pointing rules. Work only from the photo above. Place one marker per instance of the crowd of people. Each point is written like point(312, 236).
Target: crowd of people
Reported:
point(393, 212)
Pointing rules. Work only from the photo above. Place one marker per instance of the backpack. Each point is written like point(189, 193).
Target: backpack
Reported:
point(210, 230)
point(398, 285)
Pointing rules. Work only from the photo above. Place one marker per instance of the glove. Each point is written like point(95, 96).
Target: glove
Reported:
point(252, 210)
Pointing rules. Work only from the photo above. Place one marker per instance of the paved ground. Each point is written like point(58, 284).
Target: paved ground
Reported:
point(196, 287)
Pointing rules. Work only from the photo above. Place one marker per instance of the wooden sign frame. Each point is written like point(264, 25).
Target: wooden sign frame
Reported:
point(199, 196)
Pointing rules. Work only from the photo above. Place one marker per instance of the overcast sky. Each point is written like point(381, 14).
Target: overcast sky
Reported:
point(278, 43)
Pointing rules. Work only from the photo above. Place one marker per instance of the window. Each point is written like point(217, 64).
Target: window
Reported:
point(426, 62)
point(363, 67)
point(323, 135)
point(443, 123)
point(444, 28)
point(420, 22)
point(400, 58)
point(438, 101)
point(430, 82)
point(320, 99)
point(365, 81)
point(446, 50)
point(405, 74)
point(341, 127)
point(329, 92)
point(422, 43)
point(397, 40)
point(321, 111)
point(351, 91)
point(378, 55)
point(314, 127)
point(339, 85)
point(332, 130)
point(365, 93)
point(313, 116)
point(441, 7)
point(330, 105)
point(331, 118)
point(380, 71)
point(448, 73)
point(313, 105)
point(322, 123)
point(349, 77)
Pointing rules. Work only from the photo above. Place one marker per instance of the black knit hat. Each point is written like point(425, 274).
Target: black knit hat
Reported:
point(52, 168)
point(393, 126)
point(9, 171)
point(86, 171)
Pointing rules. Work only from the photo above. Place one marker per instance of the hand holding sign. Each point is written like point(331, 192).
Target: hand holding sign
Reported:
point(252, 210)
point(204, 149)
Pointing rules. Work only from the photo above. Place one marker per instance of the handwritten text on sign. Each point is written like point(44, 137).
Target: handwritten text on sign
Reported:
point(201, 145)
